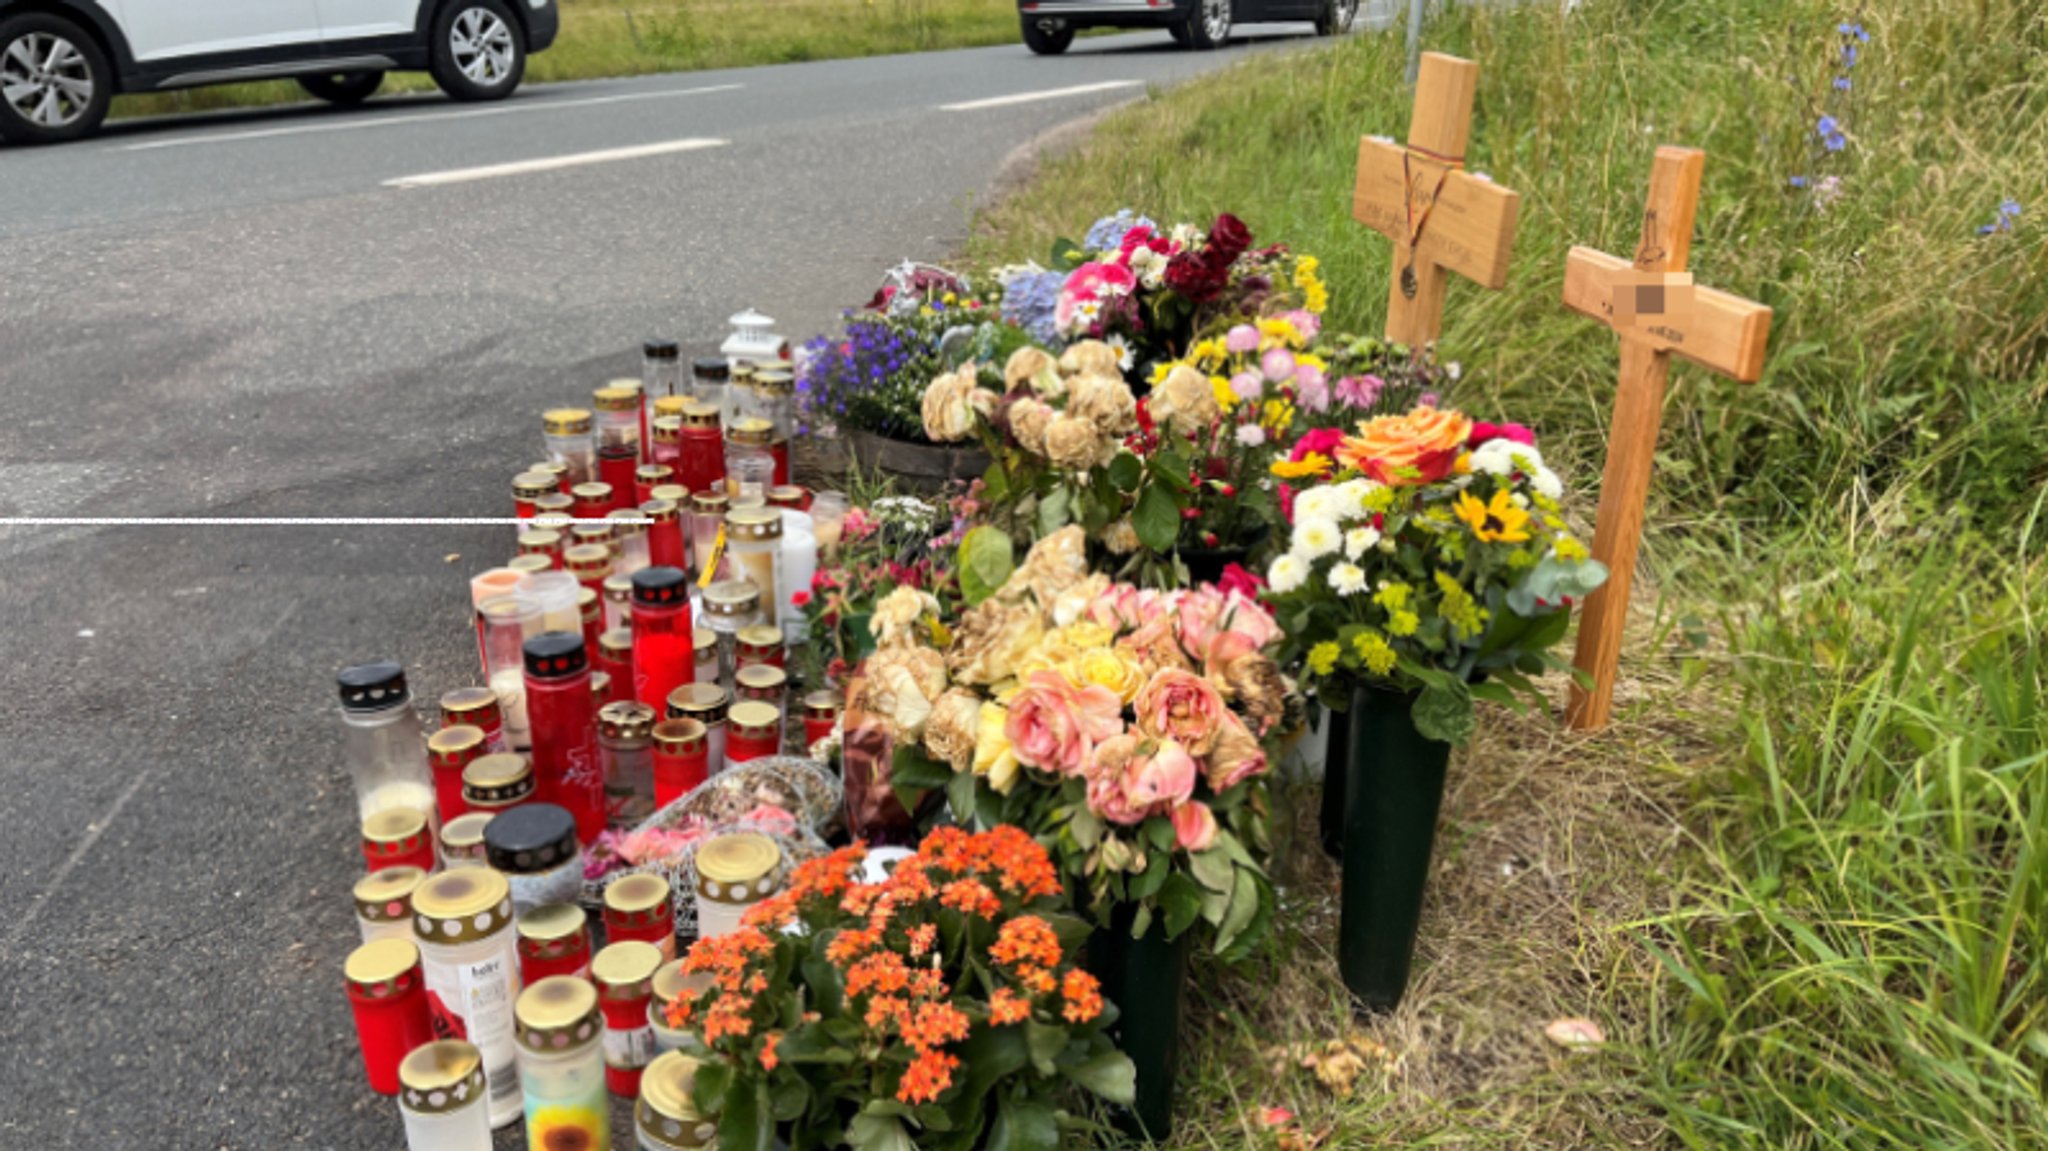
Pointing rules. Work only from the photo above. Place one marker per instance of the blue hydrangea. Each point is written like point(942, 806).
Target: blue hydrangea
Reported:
point(1108, 232)
point(1029, 301)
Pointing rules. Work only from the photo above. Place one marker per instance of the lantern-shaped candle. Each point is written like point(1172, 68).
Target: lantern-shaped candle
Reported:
point(462, 839)
point(382, 743)
point(566, 768)
point(492, 784)
point(625, 739)
point(398, 837)
point(384, 903)
point(462, 923)
point(624, 974)
point(388, 996)
point(534, 846)
point(566, 433)
point(680, 759)
point(706, 703)
point(554, 939)
point(561, 1065)
point(639, 906)
point(475, 707)
point(734, 872)
point(442, 1098)
point(449, 750)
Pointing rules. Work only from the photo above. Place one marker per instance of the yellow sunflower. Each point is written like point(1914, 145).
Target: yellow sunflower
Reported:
point(1499, 521)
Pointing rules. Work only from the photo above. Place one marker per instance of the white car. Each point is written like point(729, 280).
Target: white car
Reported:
point(63, 61)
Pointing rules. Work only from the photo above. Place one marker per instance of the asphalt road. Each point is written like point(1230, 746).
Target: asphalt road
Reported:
point(235, 316)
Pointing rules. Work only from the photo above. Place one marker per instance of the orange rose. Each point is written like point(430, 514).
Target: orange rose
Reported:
point(1417, 448)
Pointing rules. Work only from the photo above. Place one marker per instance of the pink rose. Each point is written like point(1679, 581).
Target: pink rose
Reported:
point(1482, 432)
point(1165, 777)
point(1054, 725)
point(1156, 646)
point(1237, 581)
point(1106, 795)
point(1091, 283)
point(1236, 757)
point(1194, 826)
point(1181, 706)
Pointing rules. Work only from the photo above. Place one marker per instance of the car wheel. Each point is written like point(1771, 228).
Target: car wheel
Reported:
point(1337, 17)
point(479, 51)
point(1045, 41)
point(55, 83)
point(1179, 32)
point(1208, 25)
point(342, 87)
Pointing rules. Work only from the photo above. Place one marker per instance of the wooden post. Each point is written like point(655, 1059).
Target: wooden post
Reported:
point(1652, 304)
point(1441, 218)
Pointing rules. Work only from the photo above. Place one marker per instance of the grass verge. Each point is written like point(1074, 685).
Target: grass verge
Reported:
point(635, 37)
point(1800, 883)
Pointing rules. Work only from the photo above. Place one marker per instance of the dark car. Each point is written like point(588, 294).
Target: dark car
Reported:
point(1049, 25)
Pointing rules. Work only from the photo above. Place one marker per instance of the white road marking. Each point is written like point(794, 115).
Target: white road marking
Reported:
point(551, 163)
point(420, 118)
point(1048, 94)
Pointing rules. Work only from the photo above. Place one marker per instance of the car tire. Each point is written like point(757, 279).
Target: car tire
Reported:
point(1208, 25)
point(1337, 17)
point(1047, 42)
point(344, 88)
point(478, 50)
point(62, 81)
point(1179, 32)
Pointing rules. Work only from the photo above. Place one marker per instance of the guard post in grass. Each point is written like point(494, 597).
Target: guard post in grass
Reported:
point(1441, 218)
point(1651, 302)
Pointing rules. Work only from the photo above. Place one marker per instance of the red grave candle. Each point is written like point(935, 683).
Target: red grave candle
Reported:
point(554, 939)
point(639, 906)
point(478, 708)
point(615, 659)
point(664, 534)
point(821, 715)
point(562, 712)
point(681, 759)
point(624, 974)
point(753, 730)
point(595, 500)
point(759, 644)
point(398, 837)
point(528, 487)
point(590, 611)
point(387, 993)
point(701, 466)
point(615, 466)
point(663, 652)
point(648, 477)
point(449, 750)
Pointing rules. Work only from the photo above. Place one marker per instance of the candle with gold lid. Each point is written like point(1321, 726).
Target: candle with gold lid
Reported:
point(700, 462)
point(704, 654)
point(388, 997)
point(526, 565)
point(449, 750)
point(666, 1116)
point(671, 984)
point(666, 449)
point(639, 906)
point(734, 872)
point(629, 540)
point(667, 544)
point(566, 434)
point(621, 417)
point(618, 598)
point(462, 839)
point(398, 837)
point(462, 921)
point(493, 783)
point(759, 644)
point(624, 974)
point(441, 1098)
point(729, 607)
point(561, 1066)
point(648, 477)
point(540, 542)
point(528, 487)
point(821, 715)
point(707, 519)
point(754, 542)
point(754, 730)
point(384, 902)
point(590, 614)
point(475, 707)
point(554, 939)
point(680, 759)
point(615, 660)
point(706, 703)
point(594, 500)
point(625, 742)
point(763, 683)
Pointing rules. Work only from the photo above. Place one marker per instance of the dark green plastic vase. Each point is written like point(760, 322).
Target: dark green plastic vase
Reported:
point(1143, 977)
point(1393, 789)
point(1336, 754)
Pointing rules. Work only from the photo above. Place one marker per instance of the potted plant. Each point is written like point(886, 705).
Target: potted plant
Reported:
point(1428, 565)
point(939, 1008)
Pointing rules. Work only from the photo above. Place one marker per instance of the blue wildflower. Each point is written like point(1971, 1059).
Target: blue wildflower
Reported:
point(1828, 126)
point(1836, 142)
point(1797, 181)
point(1841, 83)
point(2009, 208)
point(1849, 55)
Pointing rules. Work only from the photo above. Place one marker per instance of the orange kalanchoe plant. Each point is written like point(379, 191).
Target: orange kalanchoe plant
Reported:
point(924, 1011)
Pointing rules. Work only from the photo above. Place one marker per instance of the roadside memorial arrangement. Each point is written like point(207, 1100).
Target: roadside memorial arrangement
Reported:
point(891, 819)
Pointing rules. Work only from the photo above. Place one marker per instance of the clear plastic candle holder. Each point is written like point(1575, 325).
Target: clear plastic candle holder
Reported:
point(561, 1065)
point(661, 367)
point(567, 435)
point(625, 740)
point(508, 622)
point(382, 742)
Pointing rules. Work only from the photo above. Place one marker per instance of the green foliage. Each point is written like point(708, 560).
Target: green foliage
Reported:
point(986, 560)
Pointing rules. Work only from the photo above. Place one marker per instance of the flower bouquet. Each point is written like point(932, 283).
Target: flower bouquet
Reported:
point(895, 542)
point(940, 1008)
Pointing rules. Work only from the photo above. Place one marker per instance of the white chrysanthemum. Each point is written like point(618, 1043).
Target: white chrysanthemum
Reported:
point(1287, 573)
point(1352, 494)
point(1358, 540)
point(1546, 483)
point(1504, 457)
point(1347, 579)
point(1314, 539)
point(1317, 504)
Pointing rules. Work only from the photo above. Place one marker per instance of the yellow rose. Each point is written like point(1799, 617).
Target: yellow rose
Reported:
point(1050, 655)
point(1075, 444)
point(1113, 669)
point(1090, 357)
point(1184, 400)
point(1033, 367)
point(1084, 635)
point(1028, 421)
point(992, 755)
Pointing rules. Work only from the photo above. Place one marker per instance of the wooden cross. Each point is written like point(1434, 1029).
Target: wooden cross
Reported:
point(1441, 218)
point(1658, 313)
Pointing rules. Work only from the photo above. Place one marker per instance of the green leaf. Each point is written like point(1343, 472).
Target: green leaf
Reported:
point(1054, 510)
point(1255, 930)
point(995, 483)
point(1110, 1075)
point(985, 563)
point(1045, 1041)
point(960, 794)
point(1443, 712)
point(912, 773)
point(714, 1079)
point(789, 1100)
point(1156, 518)
point(1086, 828)
point(1244, 907)
point(1180, 898)
point(1025, 1126)
point(990, 1055)
point(869, 1133)
point(1212, 869)
point(1125, 471)
point(747, 1121)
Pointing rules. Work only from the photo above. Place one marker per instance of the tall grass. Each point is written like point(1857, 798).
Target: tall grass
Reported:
point(1849, 553)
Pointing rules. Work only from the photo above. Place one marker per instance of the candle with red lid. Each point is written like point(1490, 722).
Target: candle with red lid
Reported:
point(624, 974)
point(449, 750)
point(662, 643)
point(554, 939)
point(563, 714)
point(681, 759)
point(387, 994)
point(640, 906)
point(398, 837)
